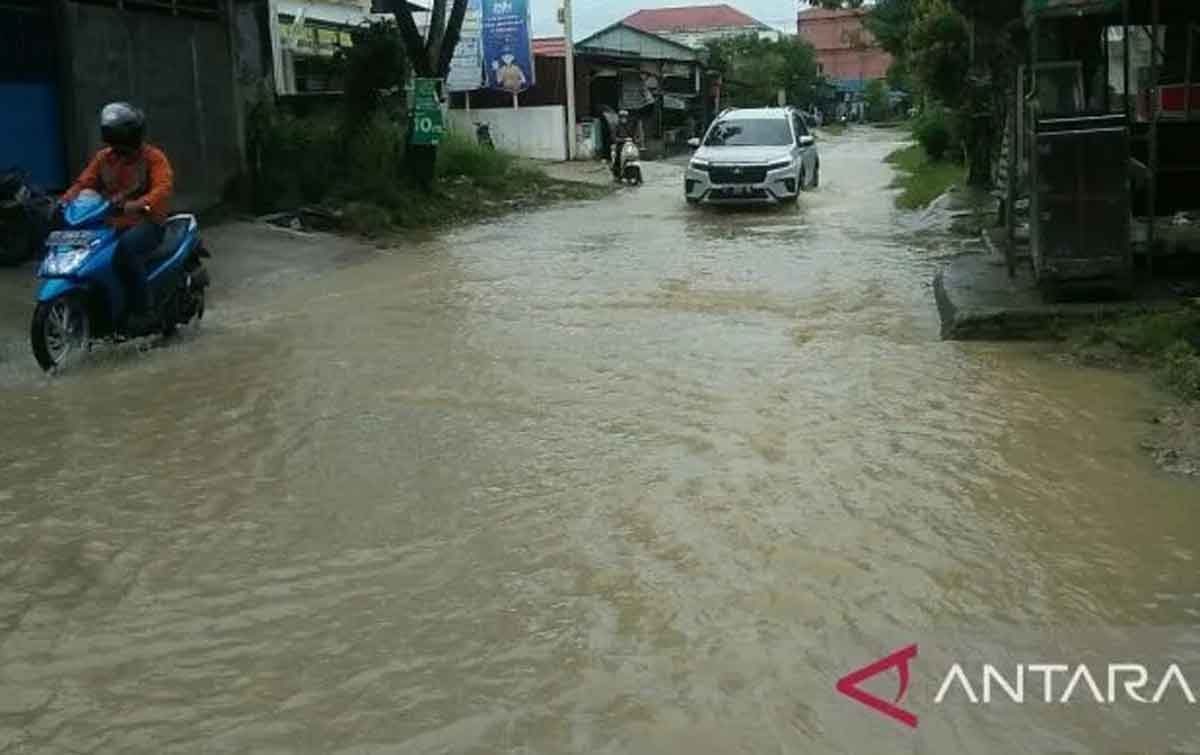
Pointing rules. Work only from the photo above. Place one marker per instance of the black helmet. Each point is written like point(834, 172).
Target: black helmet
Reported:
point(122, 125)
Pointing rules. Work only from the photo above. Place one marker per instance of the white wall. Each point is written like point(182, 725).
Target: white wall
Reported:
point(538, 132)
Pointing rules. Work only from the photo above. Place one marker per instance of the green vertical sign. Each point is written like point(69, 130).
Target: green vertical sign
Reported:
point(427, 123)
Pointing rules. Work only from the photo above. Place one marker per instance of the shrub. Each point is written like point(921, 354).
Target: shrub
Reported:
point(933, 132)
point(876, 97)
point(367, 218)
point(292, 158)
point(461, 156)
point(373, 65)
point(374, 163)
point(1181, 368)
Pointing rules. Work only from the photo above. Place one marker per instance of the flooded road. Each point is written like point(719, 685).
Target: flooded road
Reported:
point(613, 477)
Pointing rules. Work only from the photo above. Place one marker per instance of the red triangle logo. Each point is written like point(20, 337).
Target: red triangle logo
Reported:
point(848, 685)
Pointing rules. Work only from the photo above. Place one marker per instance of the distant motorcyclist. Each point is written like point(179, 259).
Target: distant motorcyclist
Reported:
point(624, 130)
point(137, 179)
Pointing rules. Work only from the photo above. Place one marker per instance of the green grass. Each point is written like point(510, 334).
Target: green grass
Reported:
point(922, 180)
point(1164, 341)
point(368, 182)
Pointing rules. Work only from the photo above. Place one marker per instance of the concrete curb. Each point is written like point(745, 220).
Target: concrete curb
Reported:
point(977, 301)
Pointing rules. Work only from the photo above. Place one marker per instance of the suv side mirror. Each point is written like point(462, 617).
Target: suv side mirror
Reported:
point(807, 140)
point(694, 142)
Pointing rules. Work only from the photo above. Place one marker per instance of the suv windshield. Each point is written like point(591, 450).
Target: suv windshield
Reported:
point(764, 132)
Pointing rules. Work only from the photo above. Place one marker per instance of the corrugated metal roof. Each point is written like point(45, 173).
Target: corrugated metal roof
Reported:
point(1068, 7)
point(691, 18)
point(620, 39)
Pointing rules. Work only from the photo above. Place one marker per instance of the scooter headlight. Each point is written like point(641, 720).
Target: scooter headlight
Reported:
point(65, 260)
point(67, 251)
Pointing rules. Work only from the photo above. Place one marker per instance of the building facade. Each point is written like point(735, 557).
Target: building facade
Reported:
point(61, 61)
point(694, 25)
point(308, 35)
point(846, 52)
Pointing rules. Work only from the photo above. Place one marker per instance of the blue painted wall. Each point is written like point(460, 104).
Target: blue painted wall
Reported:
point(30, 115)
point(32, 128)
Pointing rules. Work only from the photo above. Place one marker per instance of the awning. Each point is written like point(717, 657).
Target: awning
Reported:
point(339, 15)
point(1043, 8)
point(634, 94)
point(674, 102)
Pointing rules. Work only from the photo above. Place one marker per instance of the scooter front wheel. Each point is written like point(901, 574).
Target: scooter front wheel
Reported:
point(60, 332)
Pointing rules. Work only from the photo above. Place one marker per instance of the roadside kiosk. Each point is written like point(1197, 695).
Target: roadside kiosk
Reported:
point(1107, 95)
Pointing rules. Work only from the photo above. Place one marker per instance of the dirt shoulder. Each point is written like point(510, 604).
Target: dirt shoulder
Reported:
point(1174, 440)
point(1166, 346)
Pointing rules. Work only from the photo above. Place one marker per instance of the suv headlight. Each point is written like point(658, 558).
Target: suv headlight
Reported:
point(64, 261)
point(701, 165)
point(779, 164)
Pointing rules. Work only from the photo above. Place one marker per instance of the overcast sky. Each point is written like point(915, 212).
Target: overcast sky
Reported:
point(591, 15)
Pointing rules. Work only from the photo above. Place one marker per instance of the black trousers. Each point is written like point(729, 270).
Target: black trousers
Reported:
point(134, 246)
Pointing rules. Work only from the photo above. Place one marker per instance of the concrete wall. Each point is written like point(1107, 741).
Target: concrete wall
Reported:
point(538, 132)
point(179, 70)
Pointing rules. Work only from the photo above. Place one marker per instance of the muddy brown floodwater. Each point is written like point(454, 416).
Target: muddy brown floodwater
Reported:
point(619, 476)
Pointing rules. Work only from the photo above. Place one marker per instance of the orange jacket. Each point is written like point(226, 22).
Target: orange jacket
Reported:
point(144, 177)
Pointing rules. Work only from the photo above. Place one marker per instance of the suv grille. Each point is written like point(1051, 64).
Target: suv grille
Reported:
point(740, 174)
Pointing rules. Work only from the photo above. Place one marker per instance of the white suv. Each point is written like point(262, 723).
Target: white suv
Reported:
point(761, 156)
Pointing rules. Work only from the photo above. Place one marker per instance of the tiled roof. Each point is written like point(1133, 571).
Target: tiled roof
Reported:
point(822, 14)
point(550, 47)
point(691, 18)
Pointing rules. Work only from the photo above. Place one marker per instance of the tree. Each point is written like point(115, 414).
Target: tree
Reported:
point(755, 70)
point(374, 64)
point(876, 97)
point(889, 21)
point(430, 58)
point(938, 44)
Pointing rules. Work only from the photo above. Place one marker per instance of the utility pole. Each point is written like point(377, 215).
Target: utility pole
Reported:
point(568, 35)
point(276, 46)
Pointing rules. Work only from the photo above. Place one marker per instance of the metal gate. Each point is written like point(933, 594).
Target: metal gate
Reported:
point(30, 112)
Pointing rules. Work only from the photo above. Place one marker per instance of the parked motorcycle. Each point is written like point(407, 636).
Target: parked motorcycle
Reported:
point(627, 167)
point(483, 134)
point(25, 217)
point(82, 298)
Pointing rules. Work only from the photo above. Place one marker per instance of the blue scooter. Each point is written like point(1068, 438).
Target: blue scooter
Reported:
point(81, 297)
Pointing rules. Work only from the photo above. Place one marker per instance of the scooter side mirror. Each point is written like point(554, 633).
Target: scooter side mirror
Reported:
point(694, 142)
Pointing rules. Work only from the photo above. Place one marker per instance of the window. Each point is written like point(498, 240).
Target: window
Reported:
point(800, 126)
point(750, 132)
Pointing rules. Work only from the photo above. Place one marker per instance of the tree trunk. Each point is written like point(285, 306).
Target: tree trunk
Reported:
point(979, 151)
point(437, 30)
point(430, 59)
point(453, 32)
point(413, 44)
